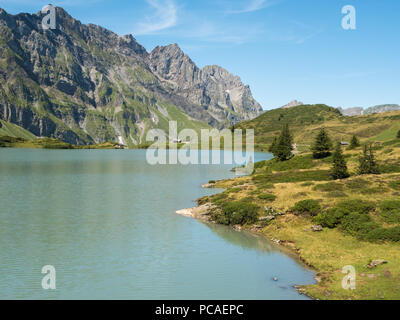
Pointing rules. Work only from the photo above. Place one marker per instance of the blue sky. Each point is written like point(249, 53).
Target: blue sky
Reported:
point(283, 49)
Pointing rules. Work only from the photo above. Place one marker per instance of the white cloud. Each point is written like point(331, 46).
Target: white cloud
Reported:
point(252, 6)
point(164, 17)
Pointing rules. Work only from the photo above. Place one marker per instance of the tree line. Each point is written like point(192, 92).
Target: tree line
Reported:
point(282, 148)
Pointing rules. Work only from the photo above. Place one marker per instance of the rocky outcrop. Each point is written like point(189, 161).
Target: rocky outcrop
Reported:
point(358, 111)
point(293, 104)
point(84, 84)
point(222, 94)
point(350, 112)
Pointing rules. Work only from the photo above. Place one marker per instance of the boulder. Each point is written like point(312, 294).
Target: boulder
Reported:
point(375, 263)
point(317, 228)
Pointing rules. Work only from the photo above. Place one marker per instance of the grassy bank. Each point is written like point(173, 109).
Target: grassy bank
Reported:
point(49, 143)
point(360, 218)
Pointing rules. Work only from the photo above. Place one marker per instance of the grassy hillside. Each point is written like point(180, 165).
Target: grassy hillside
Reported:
point(360, 217)
point(12, 130)
point(49, 143)
point(305, 122)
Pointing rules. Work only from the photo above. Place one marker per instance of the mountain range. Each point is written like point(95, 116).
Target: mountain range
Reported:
point(85, 84)
point(358, 111)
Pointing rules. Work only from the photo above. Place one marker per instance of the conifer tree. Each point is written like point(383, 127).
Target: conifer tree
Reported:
point(339, 168)
point(355, 143)
point(367, 163)
point(273, 145)
point(284, 145)
point(322, 145)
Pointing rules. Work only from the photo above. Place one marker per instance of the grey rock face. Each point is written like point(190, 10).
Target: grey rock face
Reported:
point(382, 108)
point(222, 94)
point(350, 112)
point(293, 104)
point(358, 111)
point(84, 84)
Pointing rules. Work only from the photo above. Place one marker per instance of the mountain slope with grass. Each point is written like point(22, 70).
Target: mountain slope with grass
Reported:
point(84, 84)
point(329, 223)
point(306, 121)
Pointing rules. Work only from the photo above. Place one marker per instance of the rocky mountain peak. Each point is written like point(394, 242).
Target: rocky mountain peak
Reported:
point(83, 83)
point(293, 104)
point(212, 87)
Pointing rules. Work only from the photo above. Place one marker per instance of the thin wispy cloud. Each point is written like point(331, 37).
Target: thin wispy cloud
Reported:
point(254, 5)
point(340, 76)
point(60, 3)
point(164, 17)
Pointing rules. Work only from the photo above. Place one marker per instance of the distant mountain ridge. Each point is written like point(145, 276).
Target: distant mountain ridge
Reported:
point(305, 122)
point(84, 84)
point(358, 111)
point(292, 104)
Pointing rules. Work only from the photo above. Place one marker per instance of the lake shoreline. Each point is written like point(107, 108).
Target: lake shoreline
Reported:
point(202, 213)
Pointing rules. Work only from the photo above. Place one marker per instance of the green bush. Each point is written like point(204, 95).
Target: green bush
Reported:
point(358, 224)
point(292, 176)
point(211, 181)
point(267, 197)
point(219, 198)
point(390, 211)
point(335, 216)
point(384, 234)
point(310, 206)
point(336, 194)
point(238, 212)
point(298, 162)
point(357, 184)
point(395, 184)
point(307, 184)
point(330, 218)
point(328, 187)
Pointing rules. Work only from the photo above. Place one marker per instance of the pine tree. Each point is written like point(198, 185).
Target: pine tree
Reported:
point(273, 145)
point(284, 145)
point(373, 165)
point(322, 145)
point(398, 135)
point(339, 168)
point(367, 163)
point(355, 143)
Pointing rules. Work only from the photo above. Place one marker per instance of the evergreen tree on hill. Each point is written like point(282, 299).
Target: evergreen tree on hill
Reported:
point(355, 143)
point(322, 145)
point(339, 168)
point(283, 145)
point(367, 162)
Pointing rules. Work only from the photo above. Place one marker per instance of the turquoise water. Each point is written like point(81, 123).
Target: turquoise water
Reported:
point(106, 221)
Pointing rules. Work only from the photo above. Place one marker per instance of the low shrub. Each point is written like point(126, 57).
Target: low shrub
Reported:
point(357, 184)
point(394, 184)
point(358, 224)
point(390, 211)
point(384, 234)
point(336, 194)
point(267, 197)
point(310, 206)
point(219, 198)
point(335, 216)
point(328, 187)
point(307, 184)
point(238, 212)
point(295, 163)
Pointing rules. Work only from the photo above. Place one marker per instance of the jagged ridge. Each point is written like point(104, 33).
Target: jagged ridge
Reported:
point(85, 84)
